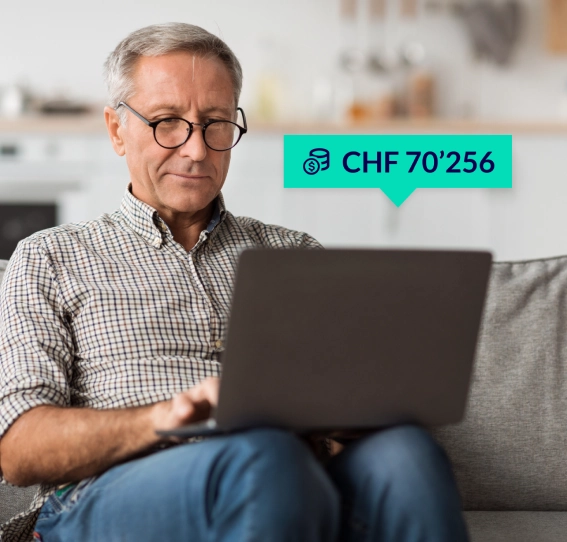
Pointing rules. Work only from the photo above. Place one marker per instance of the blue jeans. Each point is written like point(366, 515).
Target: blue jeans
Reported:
point(266, 485)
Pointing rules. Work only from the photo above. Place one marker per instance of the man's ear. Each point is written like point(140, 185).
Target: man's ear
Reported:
point(114, 130)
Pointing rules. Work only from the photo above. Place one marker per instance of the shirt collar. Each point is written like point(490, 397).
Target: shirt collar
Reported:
point(146, 222)
point(218, 213)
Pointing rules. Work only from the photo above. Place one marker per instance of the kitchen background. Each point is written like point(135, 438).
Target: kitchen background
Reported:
point(310, 66)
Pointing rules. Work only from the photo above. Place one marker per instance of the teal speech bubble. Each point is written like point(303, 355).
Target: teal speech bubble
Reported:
point(397, 164)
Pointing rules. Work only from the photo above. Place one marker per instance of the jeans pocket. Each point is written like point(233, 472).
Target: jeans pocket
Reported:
point(50, 508)
point(71, 497)
point(63, 499)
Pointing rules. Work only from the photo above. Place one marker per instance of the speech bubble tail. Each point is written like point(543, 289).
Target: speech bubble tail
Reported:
point(397, 194)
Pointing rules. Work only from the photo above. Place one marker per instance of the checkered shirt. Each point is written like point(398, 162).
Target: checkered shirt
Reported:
point(114, 313)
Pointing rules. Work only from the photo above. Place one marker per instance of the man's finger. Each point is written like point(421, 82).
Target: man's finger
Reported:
point(183, 406)
point(207, 389)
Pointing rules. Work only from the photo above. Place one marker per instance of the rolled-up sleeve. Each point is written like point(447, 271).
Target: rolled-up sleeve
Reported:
point(36, 344)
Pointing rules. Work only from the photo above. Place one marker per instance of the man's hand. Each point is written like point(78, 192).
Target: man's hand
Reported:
point(66, 444)
point(193, 405)
point(314, 439)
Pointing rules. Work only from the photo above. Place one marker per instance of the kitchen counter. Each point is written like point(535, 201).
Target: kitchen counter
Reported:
point(94, 124)
point(419, 126)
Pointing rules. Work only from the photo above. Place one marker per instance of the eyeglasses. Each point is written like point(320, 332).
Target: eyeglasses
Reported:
point(172, 132)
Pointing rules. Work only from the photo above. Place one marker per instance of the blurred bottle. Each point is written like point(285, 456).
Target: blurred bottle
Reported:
point(383, 63)
point(270, 93)
point(348, 104)
point(268, 102)
point(322, 100)
point(384, 105)
point(355, 105)
point(12, 102)
point(421, 93)
point(343, 97)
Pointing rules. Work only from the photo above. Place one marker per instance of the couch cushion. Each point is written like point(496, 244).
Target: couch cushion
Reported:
point(3, 264)
point(13, 500)
point(510, 451)
point(516, 526)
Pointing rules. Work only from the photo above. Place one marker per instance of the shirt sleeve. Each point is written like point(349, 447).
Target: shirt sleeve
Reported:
point(273, 236)
point(306, 241)
point(36, 345)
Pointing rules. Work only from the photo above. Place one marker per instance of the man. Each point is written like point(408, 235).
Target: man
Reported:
point(113, 328)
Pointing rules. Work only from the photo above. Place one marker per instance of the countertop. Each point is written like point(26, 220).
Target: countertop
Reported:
point(94, 124)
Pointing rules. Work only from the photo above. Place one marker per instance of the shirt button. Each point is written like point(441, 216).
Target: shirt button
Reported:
point(156, 243)
point(218, 343)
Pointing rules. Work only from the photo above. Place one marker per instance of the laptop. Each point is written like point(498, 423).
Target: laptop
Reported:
point(348, 339)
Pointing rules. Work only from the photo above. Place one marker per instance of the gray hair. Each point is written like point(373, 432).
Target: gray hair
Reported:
point(160, 39)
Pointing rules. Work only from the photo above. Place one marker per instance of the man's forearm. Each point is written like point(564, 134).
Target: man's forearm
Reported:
point(57, 445)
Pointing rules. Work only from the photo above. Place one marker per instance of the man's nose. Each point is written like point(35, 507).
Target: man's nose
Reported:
point(195, 147)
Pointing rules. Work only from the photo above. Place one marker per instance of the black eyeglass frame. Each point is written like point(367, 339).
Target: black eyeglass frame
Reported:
point(203, 125)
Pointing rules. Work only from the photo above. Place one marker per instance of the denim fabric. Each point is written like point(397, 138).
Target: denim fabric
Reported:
point(64, 499)
point(266, 485)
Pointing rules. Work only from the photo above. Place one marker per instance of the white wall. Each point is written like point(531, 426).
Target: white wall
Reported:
point(527, 221)
point(62, 44)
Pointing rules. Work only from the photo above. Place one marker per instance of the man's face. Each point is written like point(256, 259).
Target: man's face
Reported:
point(180, 84)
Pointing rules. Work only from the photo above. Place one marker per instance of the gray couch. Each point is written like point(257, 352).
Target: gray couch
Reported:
point(510, 452)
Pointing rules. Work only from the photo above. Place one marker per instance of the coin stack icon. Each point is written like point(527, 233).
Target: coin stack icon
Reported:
point(319, 160)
